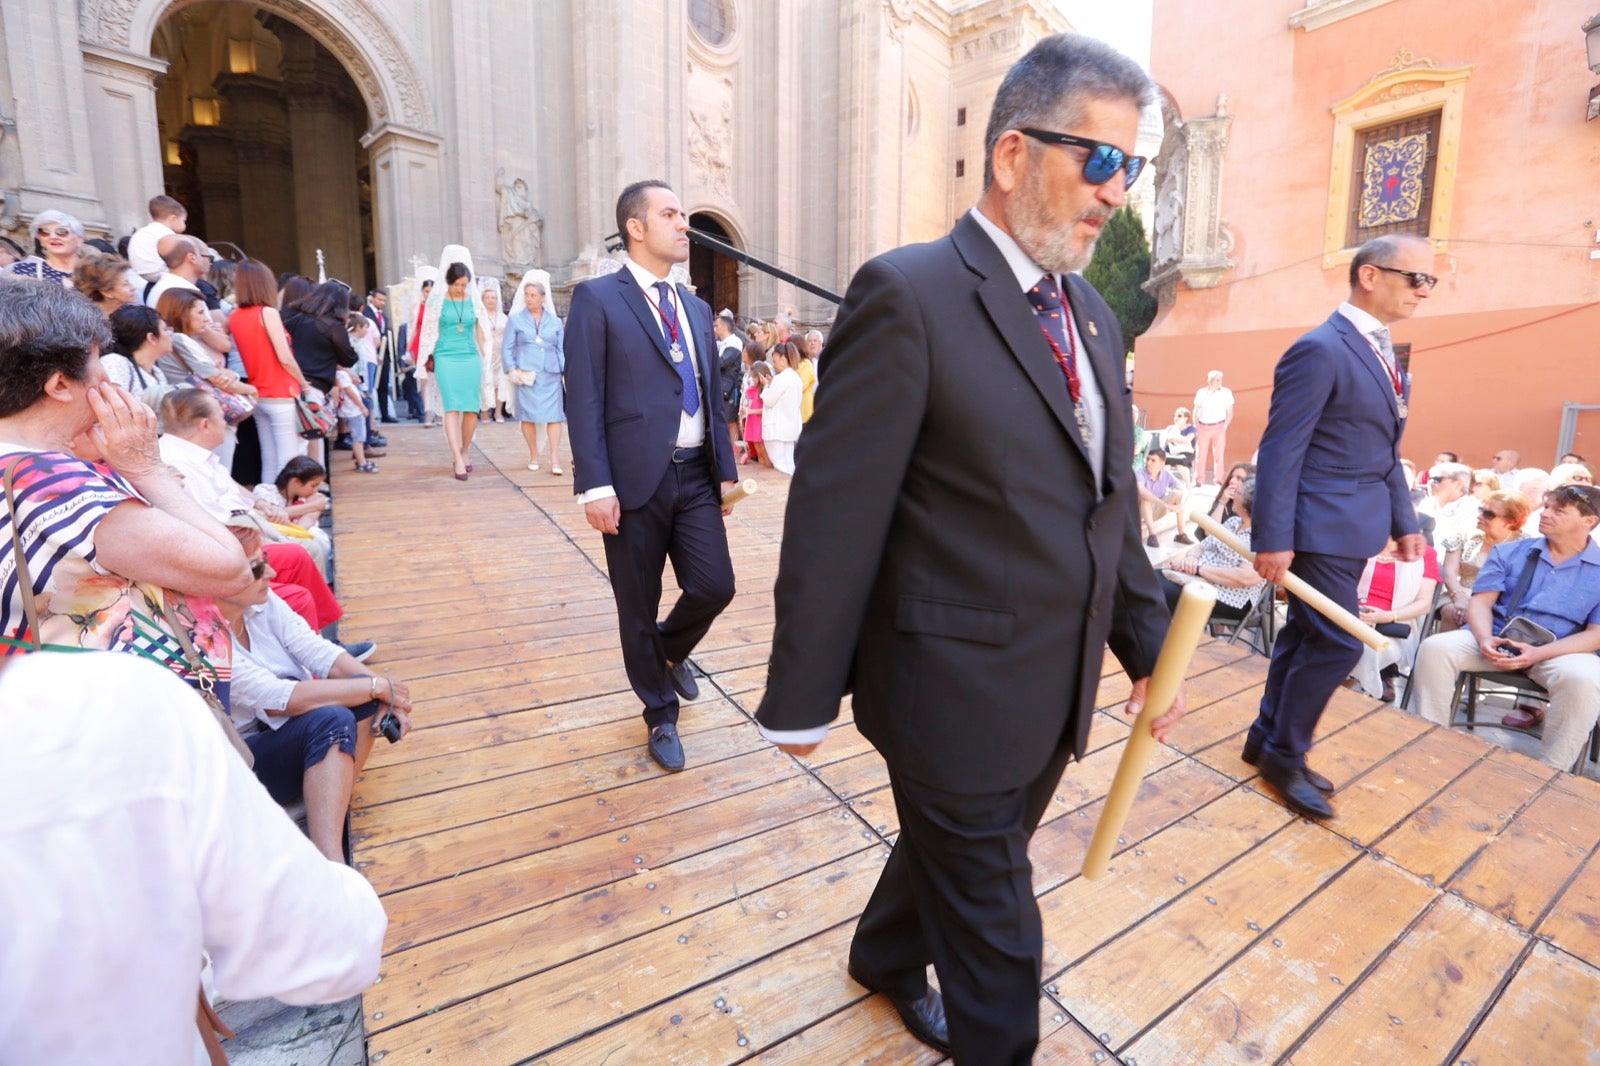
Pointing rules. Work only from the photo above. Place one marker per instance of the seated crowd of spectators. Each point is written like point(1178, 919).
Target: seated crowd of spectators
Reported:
point(134, 525)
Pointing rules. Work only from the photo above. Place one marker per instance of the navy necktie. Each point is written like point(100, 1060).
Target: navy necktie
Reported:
point(684, 365)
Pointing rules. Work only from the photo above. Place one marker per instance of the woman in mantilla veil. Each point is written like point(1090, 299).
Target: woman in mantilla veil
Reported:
point(452, 336)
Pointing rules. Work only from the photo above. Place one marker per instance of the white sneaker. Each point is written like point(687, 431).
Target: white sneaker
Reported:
point(533, 466)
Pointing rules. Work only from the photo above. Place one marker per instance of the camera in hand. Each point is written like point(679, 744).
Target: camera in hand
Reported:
point(1505, 647)
point(389, 726)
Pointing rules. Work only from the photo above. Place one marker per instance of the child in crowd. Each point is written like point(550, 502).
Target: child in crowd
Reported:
point(167, 217)
point(352, 409)
point(297, 492)
point(758, 378)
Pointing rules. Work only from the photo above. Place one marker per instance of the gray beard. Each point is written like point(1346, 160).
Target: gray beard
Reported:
point(1046, 243)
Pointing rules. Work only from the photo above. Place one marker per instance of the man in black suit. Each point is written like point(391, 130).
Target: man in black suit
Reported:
point(649, 448)
point(1330, 492)
point(377, 310)
point(962, 540)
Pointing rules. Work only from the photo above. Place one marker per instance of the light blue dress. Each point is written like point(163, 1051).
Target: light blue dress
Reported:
point(537, 347)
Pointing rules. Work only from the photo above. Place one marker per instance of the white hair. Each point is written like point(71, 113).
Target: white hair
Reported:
point(60, 218)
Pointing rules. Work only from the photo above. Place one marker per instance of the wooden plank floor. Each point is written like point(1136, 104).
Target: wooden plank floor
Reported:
point(554, 898)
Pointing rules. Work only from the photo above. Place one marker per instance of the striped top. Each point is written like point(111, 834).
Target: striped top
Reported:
point(60, 502)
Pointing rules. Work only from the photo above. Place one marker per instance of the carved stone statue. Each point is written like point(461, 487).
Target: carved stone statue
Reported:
point(1171, 167)
point(521, 226)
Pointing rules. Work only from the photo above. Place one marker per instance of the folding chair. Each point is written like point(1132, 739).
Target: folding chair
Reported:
point(1430, 625)
point(1261, 616)
point(1469, 682)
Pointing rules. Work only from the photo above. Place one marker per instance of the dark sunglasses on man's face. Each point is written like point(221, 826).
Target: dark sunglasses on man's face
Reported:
point(1103, 161)
point(1418, 279)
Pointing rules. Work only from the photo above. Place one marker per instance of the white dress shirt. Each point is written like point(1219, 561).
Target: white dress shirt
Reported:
point(142, 254)
point(283, 652)
point(165, 282)
point(691, 428)
point(204, 477)
point(1027, 274)
point(134, 839)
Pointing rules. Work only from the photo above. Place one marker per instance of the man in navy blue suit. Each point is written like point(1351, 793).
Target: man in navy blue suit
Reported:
point(1329, 493)
point(649, 448)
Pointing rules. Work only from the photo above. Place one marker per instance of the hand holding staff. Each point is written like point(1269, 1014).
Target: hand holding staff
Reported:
point(1188, 623)
point(1305, 593)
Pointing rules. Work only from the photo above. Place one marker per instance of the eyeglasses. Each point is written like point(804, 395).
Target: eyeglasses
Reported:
point(1418, 279)
point(1583, 497)
point(1104, 160)
point(258, 566)
point(55, 231)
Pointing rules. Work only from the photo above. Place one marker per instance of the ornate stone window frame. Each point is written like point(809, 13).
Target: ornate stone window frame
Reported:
point(1407, 87)
point(717, 56)
point(1319, 13)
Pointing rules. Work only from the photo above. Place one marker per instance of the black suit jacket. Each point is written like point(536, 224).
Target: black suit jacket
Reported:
point(624, 395)
point(944, 548)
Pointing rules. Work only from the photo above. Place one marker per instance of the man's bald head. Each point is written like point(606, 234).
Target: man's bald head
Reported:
point(175, 248)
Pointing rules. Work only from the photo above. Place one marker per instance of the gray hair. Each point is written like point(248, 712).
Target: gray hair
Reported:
point(817, 333)
point(59, 218)
point(1381, 252)
point(1051, 84)
point(45, 329)
point(1244, 497)
point(783, 320)
point(1452, 472)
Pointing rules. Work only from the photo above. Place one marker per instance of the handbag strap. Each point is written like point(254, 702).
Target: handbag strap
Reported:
point(203, 673)
point(30, 608)
point(1530, 562)
point(211, 1026)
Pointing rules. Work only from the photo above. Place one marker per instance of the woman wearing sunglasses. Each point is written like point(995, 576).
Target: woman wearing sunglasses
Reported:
point(60, 236)
point(1501, 516)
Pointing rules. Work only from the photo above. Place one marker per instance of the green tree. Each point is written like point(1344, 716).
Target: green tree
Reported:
point(1121, 264)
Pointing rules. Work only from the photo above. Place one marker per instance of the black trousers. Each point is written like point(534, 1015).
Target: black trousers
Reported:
point(681, 522)
point(957, 891)
point(1311, 657)
point(411, 394)
point(385, 381)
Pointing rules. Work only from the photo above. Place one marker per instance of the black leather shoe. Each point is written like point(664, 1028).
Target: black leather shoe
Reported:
point(665, 747)
point(387, 420)
point(683, 680)
point(924, 1017)
point(1299, 794)
point(1252, 755)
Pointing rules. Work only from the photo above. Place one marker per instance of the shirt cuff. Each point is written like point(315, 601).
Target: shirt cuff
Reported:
point(601, 493)
point(794, 736)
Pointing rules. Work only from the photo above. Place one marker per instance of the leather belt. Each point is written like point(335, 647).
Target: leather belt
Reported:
point(688, 455)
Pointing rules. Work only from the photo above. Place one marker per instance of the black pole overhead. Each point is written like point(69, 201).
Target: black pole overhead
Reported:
point(716, 244)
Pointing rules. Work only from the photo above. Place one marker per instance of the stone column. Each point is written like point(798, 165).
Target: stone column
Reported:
point(44, 71)
point(216, 171)
point(407, 186)
point(259, 120)
point(122, 112)
point(323, 133)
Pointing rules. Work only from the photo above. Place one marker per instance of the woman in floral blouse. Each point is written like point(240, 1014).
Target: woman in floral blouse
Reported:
point(113, 544)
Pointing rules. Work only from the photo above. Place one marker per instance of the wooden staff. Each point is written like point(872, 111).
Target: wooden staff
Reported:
point(1295, 584)
point(747, 487)
point(1188, 623)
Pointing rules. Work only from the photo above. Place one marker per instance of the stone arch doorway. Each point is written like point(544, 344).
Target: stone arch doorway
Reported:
point(399, 158)
point(715, 277)
point(260, 129)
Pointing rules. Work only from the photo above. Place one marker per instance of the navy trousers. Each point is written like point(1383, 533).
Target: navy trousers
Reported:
point(682, 522)
point(1311, 657)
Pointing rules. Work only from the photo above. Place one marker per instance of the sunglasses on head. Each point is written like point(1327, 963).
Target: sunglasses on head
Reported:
point(1583, 497)
point(55, 231)
point(1103, 161)
point(1418, 279)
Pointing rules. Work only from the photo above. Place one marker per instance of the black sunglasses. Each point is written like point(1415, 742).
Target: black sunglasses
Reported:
point(1584, 497)
point(1104, 159)
point(1418, 279)
point(1484, 512)
point(258, 566)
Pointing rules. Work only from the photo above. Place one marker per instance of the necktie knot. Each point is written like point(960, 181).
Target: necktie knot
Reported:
point(1045, 296)
point(1381, 337)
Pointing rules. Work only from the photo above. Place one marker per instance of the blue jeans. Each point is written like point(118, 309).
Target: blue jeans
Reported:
point(284, 755)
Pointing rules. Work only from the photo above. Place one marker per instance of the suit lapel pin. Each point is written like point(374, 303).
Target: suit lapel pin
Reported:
point(1094, 331)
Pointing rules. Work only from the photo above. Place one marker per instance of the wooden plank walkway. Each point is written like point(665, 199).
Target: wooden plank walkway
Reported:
point(554, 898)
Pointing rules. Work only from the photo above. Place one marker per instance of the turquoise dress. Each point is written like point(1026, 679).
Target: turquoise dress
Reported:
point(455, 357)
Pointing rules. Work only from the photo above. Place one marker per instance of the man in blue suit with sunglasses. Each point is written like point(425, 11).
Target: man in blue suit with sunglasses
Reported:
point(962, 541)
point(1330, 493)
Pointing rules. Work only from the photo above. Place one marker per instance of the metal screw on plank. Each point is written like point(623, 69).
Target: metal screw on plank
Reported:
point(378, 1017)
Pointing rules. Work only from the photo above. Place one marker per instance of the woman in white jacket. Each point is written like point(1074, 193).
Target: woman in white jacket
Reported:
point(780, 425)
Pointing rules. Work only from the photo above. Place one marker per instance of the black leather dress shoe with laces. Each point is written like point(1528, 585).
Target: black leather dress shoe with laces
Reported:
point(1252, 755)
point(924, 1016)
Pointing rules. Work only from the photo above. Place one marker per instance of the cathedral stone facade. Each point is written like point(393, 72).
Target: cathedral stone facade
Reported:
point(811, 133)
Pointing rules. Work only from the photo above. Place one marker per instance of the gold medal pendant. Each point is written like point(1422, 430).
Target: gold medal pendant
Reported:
point(461, 329)
point(1401, 406)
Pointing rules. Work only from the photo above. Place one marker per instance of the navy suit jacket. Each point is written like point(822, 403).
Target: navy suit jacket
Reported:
point(1329, 479)
point(624, 395)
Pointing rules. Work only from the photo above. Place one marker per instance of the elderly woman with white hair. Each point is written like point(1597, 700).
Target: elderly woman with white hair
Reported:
point(60, 235)
point(491, 385)
point(532, 358)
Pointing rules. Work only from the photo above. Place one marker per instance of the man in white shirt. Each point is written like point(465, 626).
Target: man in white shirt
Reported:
point(649, 448)
point(1213, 410)
point(167, 217)
point(133, 842)
point(186, 260)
